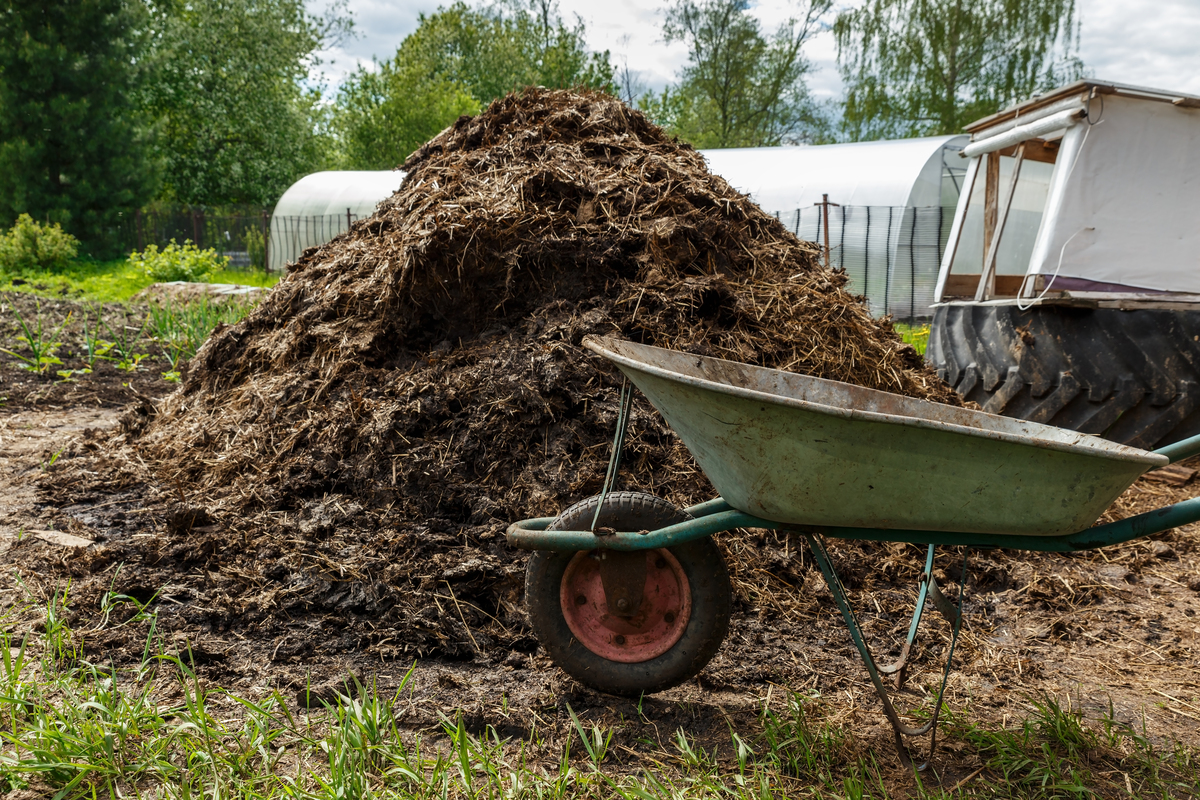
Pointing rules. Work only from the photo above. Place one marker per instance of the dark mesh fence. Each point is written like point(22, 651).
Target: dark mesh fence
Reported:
point(891, 254)
point(235, 232)
point(238, 233)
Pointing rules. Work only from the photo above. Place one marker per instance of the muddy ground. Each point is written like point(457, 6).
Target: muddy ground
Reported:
point(1116, 626)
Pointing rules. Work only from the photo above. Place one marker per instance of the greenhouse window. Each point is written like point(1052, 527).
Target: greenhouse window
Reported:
point(1001, 212)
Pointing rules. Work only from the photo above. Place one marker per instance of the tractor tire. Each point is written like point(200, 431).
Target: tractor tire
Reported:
point(1130, 376)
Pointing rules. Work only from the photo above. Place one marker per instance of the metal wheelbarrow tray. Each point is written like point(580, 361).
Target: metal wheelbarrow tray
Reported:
point(795, 449)
point(622, 591)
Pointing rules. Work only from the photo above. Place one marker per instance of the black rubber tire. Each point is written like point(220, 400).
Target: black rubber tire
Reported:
point(711, 597)
point(1130, 376)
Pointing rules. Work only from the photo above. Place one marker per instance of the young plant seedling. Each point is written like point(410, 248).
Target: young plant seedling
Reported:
point(130, 363)
point(46, 465)
point(123, 339)
point(95, 348)
point(42, 345)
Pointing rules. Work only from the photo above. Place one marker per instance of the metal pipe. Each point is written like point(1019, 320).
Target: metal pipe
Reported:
point(526, 535)
point(531, 534)
point(1066, 104)
point(1180, 450)
point(1021, 133)
point(711, 507)
point(1156, 521)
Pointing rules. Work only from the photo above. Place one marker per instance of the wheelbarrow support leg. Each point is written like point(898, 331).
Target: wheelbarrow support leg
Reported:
point(817, 544)
point(900, 668)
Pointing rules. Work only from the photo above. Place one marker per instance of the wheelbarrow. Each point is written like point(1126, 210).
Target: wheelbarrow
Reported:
point(630, 595)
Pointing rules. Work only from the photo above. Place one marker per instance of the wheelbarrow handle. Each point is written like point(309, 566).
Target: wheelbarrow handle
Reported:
point(1182, 449)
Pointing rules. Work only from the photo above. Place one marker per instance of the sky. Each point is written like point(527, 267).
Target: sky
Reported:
point(1139, 42)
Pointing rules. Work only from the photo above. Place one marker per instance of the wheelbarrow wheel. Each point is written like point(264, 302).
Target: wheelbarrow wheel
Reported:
point(678, 628)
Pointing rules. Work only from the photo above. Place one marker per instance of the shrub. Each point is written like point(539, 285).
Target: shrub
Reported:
point(178, 263)
point(29, 245)
point(256, 248)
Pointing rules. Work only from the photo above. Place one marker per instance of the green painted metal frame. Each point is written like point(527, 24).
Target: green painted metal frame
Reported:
point(716, 516)
point(953, 615)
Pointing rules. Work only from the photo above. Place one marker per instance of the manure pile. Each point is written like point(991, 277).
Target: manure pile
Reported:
point(342, 463)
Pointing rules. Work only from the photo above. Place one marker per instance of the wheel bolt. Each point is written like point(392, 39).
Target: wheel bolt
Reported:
point(619, 639)
point(622, 604)
point(669, 617)
point(580, 600)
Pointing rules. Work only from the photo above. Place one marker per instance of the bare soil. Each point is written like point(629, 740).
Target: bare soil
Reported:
point(1117, 626)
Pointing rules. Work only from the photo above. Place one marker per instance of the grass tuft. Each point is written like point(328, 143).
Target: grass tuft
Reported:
point(180, 328)
point(798, 744)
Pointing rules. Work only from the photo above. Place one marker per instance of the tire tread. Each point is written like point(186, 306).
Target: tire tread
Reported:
point(1130, 376)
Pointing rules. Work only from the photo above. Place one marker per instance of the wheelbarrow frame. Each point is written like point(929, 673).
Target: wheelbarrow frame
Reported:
point(716, 516)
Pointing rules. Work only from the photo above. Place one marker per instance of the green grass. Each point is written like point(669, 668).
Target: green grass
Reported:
point(180, 328)
point(70, 728)
point(114, 281)
point(916, 335)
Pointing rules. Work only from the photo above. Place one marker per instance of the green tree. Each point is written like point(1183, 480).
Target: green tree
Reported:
point(929, 67)
point(740, 88)
point(384, 115)
point(457, 60)
point(73, 143)
point(236, 123)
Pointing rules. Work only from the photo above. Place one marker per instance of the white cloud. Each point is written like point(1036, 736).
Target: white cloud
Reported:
point(1146, 44)
point(380, 26)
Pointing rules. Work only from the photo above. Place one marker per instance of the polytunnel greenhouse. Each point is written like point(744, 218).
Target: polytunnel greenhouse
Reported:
point(319, 206)
point(890, 206)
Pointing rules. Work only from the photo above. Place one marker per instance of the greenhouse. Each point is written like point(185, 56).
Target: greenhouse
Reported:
point(319, 206)
point(894, 204)
point(889, 212)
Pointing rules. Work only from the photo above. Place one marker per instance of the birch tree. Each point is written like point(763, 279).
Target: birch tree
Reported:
point(929, 67)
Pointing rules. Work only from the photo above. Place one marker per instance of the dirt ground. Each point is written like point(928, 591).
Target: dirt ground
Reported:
point(1116, 626)
point(327, 489)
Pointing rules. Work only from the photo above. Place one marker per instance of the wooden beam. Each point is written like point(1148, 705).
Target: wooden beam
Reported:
point(987, 284)
point(1006, 285)
point(1035, 150)
point(991, 191)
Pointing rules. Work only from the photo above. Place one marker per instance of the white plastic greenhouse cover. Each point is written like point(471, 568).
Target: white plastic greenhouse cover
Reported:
point(313, 209)
point(904, 172)
point(1129, 209)
point(333, 192)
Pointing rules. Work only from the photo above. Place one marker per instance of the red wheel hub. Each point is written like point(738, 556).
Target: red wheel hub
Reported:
point(658, 624)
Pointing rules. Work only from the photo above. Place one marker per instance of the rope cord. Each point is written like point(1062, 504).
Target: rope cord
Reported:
point(614, 459)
